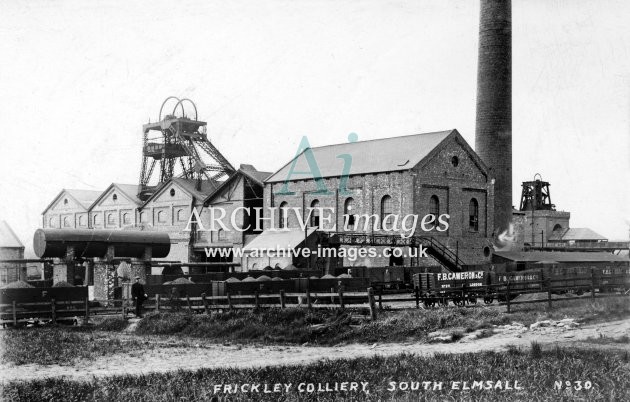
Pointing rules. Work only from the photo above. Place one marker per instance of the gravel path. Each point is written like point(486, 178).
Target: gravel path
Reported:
point(205, 354)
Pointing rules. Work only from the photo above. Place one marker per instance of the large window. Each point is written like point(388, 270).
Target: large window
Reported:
point(221, 236)
point(349, 213)
point(96, 220)
point(283, 215)
point(143, 217)
point(387, 208)
point(181, 215)
point(81, 220)
point(126, 218)
point(434, 209)
point(473, 212)
point(110, 219)
point(66, 222)
point(315, 214)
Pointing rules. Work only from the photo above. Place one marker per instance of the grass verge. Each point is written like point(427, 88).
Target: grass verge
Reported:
point(607, 372)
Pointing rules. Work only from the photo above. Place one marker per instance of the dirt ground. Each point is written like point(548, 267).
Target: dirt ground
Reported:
point(195, 354)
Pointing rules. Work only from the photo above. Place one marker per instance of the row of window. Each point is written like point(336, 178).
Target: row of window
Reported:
point(387, 208)
point(161, 217)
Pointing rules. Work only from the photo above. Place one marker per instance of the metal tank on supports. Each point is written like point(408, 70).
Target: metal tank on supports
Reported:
point(102, 248)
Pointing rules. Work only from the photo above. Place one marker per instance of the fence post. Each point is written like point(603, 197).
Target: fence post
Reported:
point(417, 295)
point(87, 311)
point(256, 300)
point(188, 303)
point(229, 300)
point(380, 298)
point(14, 314)
point(157, 302)
point(309, 302)
point(205, 302)
point(372, 304)
point(282, 302)
point(592, 284)
point(341, 304)
point(52, 310)
point(549, 292)
point(507, 294)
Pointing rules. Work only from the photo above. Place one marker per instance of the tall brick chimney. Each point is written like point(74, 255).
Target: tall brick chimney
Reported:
point(493, 134)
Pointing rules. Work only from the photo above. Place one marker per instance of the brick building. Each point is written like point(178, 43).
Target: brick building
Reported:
point(241, 192)
point(69, 209)
point(433, 173)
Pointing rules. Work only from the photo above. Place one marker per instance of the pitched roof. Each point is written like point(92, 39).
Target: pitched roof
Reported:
point(244, 170)
point(585, 234)
point(371, 156)
point(129, 190)
point(85, 198)
point(559, 256)
point(188, 185)
point(207, 187)
point(8, 238)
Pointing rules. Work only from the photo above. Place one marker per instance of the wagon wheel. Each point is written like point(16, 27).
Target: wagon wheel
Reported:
point(459, 301)
point(429, 303)
point(488, 299)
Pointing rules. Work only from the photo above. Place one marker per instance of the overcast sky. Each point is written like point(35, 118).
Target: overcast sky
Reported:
point(78, 79)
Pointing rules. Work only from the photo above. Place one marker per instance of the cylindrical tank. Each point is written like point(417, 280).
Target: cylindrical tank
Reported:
point(493, 133)
point(50, 243)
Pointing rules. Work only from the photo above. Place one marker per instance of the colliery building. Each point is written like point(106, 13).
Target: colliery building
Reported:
point(425, 174)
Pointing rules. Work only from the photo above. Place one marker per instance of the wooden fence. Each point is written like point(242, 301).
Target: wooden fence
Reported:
point(27, 311)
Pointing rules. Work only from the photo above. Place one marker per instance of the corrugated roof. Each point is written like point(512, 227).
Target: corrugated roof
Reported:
point(559, 256)
point(585, 234)
point(372, 156)
point(8, 238)
point(285, 239)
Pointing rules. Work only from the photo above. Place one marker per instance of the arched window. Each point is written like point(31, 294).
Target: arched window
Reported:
point(557, 227)
point(181, 215)
point(143, 217)
point(161, 217)
point(51, 222)
point(126, 218)
point(387, 208)
point(349, 213)
point(66, 222)
point(114, 197)
point(473, 213)
point(81, 220)
point(221, 234)
point(110, 219)
point(315, 214)
point(95, 220)
point(434, 209)
point(283, 215)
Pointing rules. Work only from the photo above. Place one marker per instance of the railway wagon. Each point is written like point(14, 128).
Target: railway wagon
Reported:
point(612, 279)
point(391, 277)
point(458, 287)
